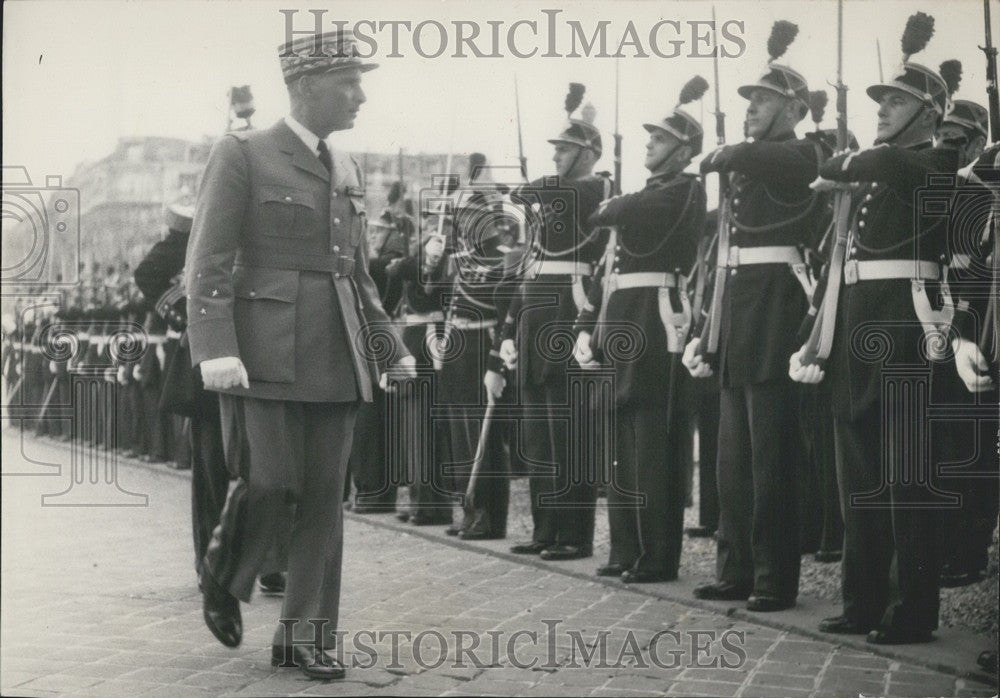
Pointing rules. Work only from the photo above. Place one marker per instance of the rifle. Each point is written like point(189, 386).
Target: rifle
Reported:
point(709, 343)
point(618, 139)
point(520, 142)
point(817, 347)
point(991, 76)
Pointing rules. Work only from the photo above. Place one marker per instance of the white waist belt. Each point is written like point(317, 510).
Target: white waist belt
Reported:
point(423, 318)
point(461, 323)
point(884, 269)
point(642, 279)
point(550, 268)
point(775, 254)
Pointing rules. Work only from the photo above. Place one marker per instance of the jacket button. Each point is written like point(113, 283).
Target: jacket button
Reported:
point(253, 294)
point(336, 248)
point(288, 198)
point(864, 210)
point(336, 221)
point(736, 202)
point(203, 311)
point(861, 224)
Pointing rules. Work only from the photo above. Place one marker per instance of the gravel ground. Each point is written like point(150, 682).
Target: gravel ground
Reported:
point(973, 608)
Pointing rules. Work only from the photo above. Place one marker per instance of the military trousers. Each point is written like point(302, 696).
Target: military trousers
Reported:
point(647, 491)
point(758, 460)
point(891, 563)
point(291, 484)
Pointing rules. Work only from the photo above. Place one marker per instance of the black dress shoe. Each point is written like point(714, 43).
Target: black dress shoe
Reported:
point(314, 662)
point(477, 534)
point(612, 569)
point(987, 660)
point(842, 625)
point(272, 584)
point(952, 580)
point(762, 603)
point(646, 577)
point(566, 552)
point(403, 516)
point(221, 611)
point(892, 636)
point(721, 591)
point(828, 555)
point(529, 547)
point(453, 530)
point(373, 508)
point(699, 531)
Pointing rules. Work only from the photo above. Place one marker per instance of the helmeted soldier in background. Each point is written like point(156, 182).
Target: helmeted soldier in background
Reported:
point(771, 215)
point(641, 283)
point(895, 250)
point(563, 247)
point(469, 330)
point(967, 531)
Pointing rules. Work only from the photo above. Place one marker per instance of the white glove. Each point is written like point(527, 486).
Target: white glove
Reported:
point(693, 362)
point(123, 375)
point(495, 383)
point(810, 374)
point(405, 368)
point(224, 373)
point(582, 353)
point(508, 353)
point(971, 366)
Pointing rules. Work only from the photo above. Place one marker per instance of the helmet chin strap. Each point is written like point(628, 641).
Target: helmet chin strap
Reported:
point(906, 127)
point(670, 154)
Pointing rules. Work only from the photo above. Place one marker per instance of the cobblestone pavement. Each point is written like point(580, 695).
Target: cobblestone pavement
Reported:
point(103, 601)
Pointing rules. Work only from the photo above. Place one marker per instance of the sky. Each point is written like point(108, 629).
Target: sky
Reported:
point(79, 75)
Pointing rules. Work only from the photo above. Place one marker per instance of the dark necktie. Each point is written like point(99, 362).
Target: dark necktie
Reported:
point(324, 156)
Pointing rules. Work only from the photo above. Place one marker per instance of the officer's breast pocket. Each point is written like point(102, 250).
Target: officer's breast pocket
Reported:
point(286, 211)
point(264, 314)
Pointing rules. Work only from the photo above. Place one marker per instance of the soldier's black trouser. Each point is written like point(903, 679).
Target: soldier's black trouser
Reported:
point(291, 485)
point(819, 495)
point(708, 442)
point(890, 569)
point(563, 495)
point(758, 460)
point(646, 533)
point(210, 472)
point(369, 467)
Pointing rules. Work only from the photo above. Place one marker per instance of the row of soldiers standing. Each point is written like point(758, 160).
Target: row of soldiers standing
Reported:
point(614, 272)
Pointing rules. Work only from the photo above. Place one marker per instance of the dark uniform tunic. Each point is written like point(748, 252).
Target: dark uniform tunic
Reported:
point(890, 571)
point(541, 317)
point(762, 307)
point(657, 231)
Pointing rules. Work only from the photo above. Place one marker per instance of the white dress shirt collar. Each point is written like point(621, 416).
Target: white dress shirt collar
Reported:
point(305, 135)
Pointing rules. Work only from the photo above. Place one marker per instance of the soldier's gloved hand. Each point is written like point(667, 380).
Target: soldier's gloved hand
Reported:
point(123, 374)
point(810, 373)
point(137, 373)
point(224, 373)
point(693, 362)
point(494, 383)
point(508, 353)
point(971, 366)
point(582, 353)
point(405, 368)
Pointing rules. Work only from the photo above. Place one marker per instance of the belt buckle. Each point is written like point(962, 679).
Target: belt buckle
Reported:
point(851, 272)
point(734, 256)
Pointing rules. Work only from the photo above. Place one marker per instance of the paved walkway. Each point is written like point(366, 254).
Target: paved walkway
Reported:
point(100, 600)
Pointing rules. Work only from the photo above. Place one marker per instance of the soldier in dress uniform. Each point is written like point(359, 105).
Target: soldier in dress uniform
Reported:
point(967, 531)
point(423, 277)
point(469, 331)
point(896, 247)
point(286, 324)
point(771, 215)
point(563, 247)
point(641, 282)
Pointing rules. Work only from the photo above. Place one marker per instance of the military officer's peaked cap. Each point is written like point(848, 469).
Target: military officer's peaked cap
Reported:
point(179, 216)
point(581, 133)
point(969, 115)
point(682, 126)
point(320, 53)
point(917, 80)
point(781, 79)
